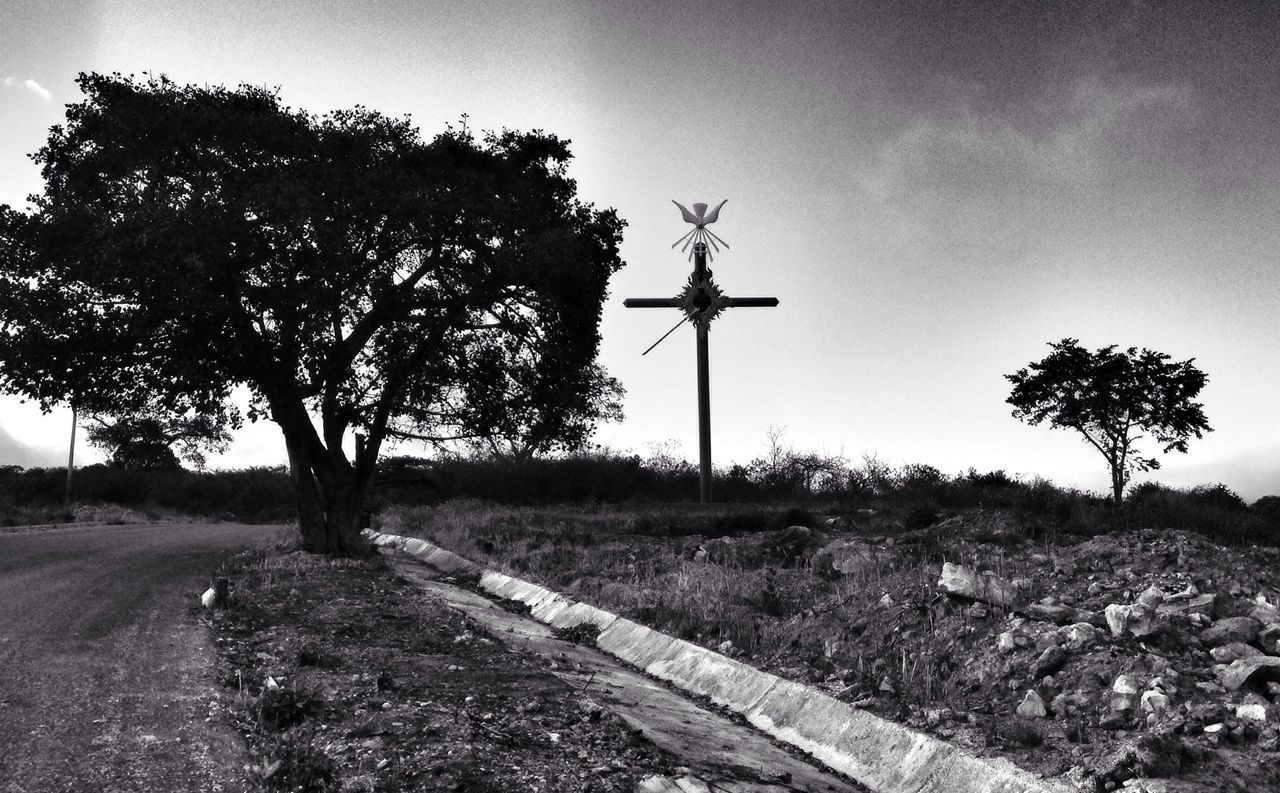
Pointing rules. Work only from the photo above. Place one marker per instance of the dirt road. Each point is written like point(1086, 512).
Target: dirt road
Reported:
point(105, 677)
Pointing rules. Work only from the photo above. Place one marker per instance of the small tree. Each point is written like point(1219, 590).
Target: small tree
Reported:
point(1112, 398)
point(150, 441)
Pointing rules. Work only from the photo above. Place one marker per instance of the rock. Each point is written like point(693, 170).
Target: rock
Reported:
point(1192, 604)
point(215, 597)
point(1138, 619)
point(1125, 684)
point(1049, 662)
point(1269, 638)
point(1252, 711)
point(853, 557)
point(1242, 670)
point(960, 581)
point(1231, 629)
point(1264, 612)
point(1095, 588)
point(1232, 651)
point(1154, 701)
point(1032, 706)
point(1005, 642)
point(1079, 635)
point(886, 600)
point(1152, 596)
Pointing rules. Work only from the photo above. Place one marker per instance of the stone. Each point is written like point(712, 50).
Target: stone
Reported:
point(1264, 612)
point(1269, 638)
point(1049, 662)
point(1259, 667)
point(1154, 701)
point(1138, 619)
point(1252, 711)
point(886, 600)
point(1151, 596)
point(215, 597)
point(1079, 635)
point(1005, 642)
point(979, 611)
point(1191, 604)
point(1125, 684)
point(1231, 629)
point(1032, 706)
point(853, 557)
point(960, 581)
point(1232, 651)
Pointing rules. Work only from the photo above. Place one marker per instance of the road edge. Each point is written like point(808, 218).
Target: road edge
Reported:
point(883, 755)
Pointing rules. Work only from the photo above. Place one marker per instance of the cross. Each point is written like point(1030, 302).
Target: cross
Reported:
point(701, 301)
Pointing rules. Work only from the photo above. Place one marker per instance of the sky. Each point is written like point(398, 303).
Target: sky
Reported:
point(934, 192)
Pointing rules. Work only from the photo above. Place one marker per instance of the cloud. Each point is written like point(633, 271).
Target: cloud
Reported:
point(957, 166)
point(30, 85)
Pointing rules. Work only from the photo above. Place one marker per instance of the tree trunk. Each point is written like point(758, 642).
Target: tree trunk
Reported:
point(328, 516)
point(1117, 486)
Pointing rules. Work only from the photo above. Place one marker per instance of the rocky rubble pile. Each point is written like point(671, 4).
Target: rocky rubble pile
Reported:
point(1161, 637)
point(1111, 661)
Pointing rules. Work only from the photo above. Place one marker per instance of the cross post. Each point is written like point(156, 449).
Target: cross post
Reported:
point(701, 301)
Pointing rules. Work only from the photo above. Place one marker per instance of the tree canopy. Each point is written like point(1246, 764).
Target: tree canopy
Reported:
point(354, 276)
point(1111, 398)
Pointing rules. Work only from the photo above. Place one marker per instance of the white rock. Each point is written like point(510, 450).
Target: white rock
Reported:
point(1079, 635)
point(1138, 619)
point(1032, 706)
point(1154, 701)
point(1251, 711)
point(1125, 684)
point(963, 582)
point(207, 599)
point(1005, 642)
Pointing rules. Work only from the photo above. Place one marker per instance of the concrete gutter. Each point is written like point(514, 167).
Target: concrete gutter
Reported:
point(885, 756)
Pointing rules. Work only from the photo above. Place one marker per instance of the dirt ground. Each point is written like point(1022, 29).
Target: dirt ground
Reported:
point(343, 678)
point(1110, 661)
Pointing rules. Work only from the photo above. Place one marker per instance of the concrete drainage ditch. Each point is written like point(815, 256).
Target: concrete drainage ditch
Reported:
point(884, 756)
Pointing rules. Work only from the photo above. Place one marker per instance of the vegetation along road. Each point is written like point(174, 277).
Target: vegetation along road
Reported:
point(105, 681)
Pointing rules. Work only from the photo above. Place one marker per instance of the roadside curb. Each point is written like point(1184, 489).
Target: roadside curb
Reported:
point(885, 756)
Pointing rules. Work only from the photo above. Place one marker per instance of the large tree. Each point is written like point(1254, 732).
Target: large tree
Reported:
point(1112, 398)
point(351, 274)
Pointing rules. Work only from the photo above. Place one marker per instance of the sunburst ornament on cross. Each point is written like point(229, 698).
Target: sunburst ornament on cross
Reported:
point(701, 301)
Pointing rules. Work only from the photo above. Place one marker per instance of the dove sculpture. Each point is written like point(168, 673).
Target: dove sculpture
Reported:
point(700, 218)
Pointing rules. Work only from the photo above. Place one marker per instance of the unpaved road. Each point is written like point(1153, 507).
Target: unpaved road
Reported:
point(105, 673)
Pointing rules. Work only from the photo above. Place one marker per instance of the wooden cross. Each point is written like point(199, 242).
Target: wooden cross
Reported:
point(701, 301)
